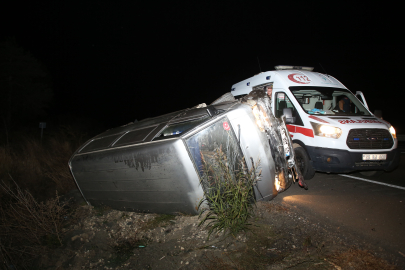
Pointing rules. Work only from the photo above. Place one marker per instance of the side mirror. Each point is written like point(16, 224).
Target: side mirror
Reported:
point(289, 119)
point(378, 113)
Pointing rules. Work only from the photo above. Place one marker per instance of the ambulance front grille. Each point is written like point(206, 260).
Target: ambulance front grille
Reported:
point(369, 138)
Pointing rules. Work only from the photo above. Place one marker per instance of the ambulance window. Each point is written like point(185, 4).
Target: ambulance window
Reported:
point(325, 101)
point(282, 101)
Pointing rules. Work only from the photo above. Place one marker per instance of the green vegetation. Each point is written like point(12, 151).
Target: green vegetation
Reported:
point(229, 196)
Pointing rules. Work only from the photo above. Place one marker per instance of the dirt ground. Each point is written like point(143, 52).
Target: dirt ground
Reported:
point(280, 237)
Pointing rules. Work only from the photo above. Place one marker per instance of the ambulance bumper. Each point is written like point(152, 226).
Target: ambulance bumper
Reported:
point(343, 161)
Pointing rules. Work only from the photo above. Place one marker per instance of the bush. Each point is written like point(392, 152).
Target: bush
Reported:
point(229, 196)
point(27, 227)
point(31, 172)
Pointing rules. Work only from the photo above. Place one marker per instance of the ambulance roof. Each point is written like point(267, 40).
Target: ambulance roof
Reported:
point(285, 78)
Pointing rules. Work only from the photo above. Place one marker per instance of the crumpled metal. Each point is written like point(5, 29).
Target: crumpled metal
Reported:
point(287, 170)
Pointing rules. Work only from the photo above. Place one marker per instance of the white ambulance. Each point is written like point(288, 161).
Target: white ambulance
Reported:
point(332, 129)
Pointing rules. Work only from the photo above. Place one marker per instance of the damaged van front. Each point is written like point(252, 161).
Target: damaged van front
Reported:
point(157, 164)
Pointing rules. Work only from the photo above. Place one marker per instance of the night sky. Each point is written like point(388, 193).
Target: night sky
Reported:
point(117, 61)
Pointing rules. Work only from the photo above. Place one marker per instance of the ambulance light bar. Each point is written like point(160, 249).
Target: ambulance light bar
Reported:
point(283, 67)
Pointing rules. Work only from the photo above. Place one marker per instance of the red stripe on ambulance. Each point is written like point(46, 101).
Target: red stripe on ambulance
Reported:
point(304, 131)
point(318, 119)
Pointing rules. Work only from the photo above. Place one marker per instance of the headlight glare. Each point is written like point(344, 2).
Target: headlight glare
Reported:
point(326, 130)
point(392, 131)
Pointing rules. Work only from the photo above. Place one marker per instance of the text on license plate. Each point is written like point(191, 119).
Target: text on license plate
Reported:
point(374, 156)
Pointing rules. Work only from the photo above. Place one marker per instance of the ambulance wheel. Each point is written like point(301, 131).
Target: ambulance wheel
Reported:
point(304, 163)
point(371, 173)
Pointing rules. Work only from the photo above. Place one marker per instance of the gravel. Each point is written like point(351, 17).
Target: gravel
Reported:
point(280, 237)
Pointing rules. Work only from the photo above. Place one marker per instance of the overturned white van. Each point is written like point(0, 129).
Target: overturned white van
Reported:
point(332, 129)
point(157, 164)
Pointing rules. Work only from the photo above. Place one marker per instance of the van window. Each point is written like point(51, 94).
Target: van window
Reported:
point(211, 148)
point(101, 143)
point(135, 136)
point(175, 129)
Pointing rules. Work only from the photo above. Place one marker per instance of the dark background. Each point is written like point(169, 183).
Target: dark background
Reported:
point(117, 61)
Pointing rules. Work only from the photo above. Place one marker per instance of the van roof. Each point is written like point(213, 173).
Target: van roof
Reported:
point(285, 78)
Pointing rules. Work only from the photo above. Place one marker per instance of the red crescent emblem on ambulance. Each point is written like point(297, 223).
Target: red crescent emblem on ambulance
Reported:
point(226, 126)
point(299, 78)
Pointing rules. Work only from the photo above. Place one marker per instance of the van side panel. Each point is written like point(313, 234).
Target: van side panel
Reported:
point(157, 177)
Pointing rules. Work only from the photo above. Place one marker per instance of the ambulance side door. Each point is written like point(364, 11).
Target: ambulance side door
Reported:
point(282, 101)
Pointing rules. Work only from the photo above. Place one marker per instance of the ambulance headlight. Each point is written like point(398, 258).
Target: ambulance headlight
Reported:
point(326, 130)
point(392, 131)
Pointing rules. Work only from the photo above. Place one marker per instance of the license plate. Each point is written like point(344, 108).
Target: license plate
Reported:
point(374, 156)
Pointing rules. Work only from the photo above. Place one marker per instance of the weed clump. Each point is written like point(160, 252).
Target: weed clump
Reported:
point(228, 190)
point(28, 227)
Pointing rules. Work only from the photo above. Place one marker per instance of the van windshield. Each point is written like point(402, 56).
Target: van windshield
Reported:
point(328, 101)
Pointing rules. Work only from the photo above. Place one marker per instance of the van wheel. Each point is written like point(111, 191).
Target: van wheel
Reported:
point(371, 173)
point(304, 163)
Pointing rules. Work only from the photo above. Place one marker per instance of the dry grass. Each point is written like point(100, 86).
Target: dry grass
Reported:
point(40, 167)
point(256, 258)
point(255, 253)
point(31, 173)
point(359, 259)
point(28, 227)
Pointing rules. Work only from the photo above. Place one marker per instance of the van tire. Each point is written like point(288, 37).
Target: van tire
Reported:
point(304, 163)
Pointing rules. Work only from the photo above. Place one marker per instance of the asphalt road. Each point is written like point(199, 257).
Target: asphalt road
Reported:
point(373, 211)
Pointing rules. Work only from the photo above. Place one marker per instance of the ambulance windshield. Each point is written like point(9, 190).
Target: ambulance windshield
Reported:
point(328, 101)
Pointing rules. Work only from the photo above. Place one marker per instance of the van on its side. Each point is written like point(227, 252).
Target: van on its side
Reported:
point(332, 129)
point(168, 163)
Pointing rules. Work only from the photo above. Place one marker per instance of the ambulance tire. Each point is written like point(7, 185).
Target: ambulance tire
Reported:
point(304, 163)
point(371, 173)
